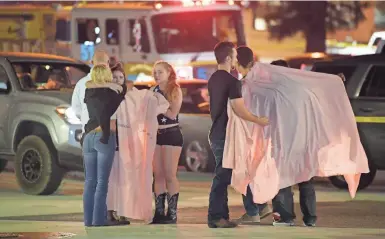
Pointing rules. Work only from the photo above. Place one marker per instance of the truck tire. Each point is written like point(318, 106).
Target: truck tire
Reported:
point(365, 180)
point(36, 167)
point(3, 164)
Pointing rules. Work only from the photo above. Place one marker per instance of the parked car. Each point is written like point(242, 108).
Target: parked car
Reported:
point(195, 123)
point(305, 61)
point(38, 129)
point(41, 134)
point(365, 86)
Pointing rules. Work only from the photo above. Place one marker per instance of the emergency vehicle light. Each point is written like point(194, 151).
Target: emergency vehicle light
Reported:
point(158, 6)
point(190, 3)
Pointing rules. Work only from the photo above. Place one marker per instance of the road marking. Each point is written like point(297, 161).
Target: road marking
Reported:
point(365, 119)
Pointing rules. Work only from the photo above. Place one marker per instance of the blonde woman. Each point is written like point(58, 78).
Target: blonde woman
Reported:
point(169, 144)
point(99, 143)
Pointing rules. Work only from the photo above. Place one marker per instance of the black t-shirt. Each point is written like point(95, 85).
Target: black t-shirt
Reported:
point(222, 87)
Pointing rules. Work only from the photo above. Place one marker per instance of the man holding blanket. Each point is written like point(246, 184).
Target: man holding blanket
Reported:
point(223, 87)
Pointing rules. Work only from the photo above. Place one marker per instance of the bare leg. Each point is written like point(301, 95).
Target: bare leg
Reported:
point(171, 159)
point(170, 164)
point(159, 172)
point(159, 186)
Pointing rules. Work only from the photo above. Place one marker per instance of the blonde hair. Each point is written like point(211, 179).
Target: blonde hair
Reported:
point(172, 88)
point(101, 74)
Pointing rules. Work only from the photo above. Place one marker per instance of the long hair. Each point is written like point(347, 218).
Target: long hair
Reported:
point(101, 74)
point(172, 87)
point(118, 67)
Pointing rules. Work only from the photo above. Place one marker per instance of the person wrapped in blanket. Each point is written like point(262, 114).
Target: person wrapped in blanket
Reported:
point(283, 203)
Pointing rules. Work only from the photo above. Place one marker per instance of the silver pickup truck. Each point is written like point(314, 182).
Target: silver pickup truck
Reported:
point(38, 130)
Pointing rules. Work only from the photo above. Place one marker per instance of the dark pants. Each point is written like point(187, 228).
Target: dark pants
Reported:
point(218, 202)
point(252, 209)
point(283, 203)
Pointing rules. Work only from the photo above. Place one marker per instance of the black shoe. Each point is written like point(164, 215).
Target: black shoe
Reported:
point(171, 217)
point(118, 223)
point(111, 216)
point(222, 223)
point(309, 224)
point(113, 223)
point(160, 207)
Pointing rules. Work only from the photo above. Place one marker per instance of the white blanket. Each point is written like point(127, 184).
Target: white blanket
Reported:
point(130, 186)
point(312, 132)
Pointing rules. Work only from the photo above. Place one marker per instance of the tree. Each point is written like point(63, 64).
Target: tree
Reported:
point(314, 19)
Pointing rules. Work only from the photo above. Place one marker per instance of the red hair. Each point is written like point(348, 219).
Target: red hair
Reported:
point(172, 87)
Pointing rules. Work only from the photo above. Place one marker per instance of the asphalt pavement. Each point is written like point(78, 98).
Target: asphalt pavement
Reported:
point(60, 215)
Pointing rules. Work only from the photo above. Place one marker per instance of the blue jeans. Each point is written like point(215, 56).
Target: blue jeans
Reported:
point(283, 203)
point(252, 209)
point(98, 158)
point(218, 202)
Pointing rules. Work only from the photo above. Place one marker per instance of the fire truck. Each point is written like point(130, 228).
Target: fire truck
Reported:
point(141, 33)
point(27, 28)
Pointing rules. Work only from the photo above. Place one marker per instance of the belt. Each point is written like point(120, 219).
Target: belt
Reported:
point(97, 130)
point(174, 128)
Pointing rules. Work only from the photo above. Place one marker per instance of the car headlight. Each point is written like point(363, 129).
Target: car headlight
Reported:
point(184, 72)
point(68, 114)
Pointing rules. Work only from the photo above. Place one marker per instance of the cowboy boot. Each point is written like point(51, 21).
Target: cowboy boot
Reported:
point(160, 207)
point(172, 208)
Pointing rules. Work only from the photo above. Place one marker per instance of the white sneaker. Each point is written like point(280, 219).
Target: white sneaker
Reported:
point(283, 223)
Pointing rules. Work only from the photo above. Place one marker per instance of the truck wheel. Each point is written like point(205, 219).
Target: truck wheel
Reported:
point(36, 168)
point(3, 164)
point(365, 180)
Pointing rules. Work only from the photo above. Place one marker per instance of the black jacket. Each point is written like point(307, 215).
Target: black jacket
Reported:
point(102, 104)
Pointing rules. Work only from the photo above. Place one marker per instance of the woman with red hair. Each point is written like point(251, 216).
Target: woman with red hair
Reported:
point(169, 144)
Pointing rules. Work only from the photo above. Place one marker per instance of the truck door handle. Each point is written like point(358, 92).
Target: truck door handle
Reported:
point(367, 109)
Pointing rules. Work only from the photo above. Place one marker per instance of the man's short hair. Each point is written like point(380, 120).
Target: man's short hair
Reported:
point(223, 50)
point(245, 56)
point(100, 56)
point(280, 63)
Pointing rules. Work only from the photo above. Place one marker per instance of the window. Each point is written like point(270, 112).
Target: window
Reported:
point(88, 31)
point(4, 81)
point(47, 76)
point(376, 41)
point(63, 30)
point(195, 98)
point(138, 35)
point(374, 85)
point(112, 31)
point(335, 70)
point(198, 31)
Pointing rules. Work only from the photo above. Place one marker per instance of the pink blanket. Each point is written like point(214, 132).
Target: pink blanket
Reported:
point(130, 186)
point(312, 132)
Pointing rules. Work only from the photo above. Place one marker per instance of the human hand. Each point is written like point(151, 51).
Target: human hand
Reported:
point(115, 87)
point(262, 121)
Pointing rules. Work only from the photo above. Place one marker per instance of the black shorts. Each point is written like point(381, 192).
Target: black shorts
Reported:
point(170, 136)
